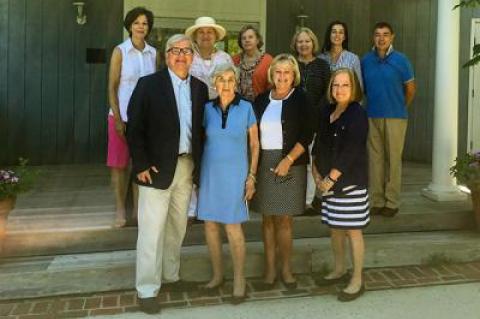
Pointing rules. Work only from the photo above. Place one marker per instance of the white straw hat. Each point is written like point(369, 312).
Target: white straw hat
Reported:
point(206, 22)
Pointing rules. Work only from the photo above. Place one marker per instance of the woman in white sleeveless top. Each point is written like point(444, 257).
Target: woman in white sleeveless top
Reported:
point(130, 60)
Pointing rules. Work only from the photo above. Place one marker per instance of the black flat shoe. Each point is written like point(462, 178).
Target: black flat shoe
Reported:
point(328, 282)
point(344, 296)
point(290, 285)
point(213, 289)
point(263, 285)
point(149, 305)
point(236, 300)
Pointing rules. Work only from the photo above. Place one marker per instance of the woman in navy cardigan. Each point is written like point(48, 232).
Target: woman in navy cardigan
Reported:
point(340, 173)
point(283, 115)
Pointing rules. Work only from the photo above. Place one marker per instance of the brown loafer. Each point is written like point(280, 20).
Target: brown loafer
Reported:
point(376, 210)
point(389, 212)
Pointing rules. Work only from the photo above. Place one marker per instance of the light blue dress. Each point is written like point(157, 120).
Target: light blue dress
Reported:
point(224, 167)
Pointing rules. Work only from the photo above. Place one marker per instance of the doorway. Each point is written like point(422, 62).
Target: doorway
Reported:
point(474, 95)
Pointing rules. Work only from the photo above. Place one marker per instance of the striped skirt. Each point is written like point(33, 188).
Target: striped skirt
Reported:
point(346, 210)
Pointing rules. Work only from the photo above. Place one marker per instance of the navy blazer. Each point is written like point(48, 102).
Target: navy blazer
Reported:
point(153, 128)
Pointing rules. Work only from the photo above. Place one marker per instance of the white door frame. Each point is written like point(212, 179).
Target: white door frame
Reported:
point(471, 86)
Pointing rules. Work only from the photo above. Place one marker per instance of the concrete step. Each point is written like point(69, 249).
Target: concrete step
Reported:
point(87, 236)
point(24, 277)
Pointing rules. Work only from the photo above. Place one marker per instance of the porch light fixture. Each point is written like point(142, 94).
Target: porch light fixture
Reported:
point(81, 16)
point(301, 17)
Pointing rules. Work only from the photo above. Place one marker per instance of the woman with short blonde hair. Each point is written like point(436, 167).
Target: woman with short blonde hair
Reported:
point(284, 114)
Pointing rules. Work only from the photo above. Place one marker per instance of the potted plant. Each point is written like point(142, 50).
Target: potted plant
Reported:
point(467, 172)
point(13, 182)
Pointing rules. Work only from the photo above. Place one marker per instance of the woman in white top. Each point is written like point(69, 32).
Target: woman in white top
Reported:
point(130, 60)
point(284, 116)
point(205, 33)
point(335, 50)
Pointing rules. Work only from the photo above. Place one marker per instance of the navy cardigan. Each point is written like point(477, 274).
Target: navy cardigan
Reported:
point(296, 121)
point(343, 145)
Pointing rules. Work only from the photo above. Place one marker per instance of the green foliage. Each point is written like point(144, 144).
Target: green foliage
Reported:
point(467, 4)
point(17, 180)
point(476, 48)
point(467, 169)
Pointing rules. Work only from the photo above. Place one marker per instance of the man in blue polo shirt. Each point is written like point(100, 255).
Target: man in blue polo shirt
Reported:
point(390, 87)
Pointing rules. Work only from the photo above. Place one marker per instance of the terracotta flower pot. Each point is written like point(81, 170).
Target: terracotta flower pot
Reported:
point(6, 206)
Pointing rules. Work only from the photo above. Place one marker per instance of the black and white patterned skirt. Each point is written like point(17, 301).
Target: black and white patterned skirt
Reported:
point(277, 195)
point(347, 210)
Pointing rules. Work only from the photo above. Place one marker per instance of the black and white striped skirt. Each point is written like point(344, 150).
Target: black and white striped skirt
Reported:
point(346, 210)
point(277, 195)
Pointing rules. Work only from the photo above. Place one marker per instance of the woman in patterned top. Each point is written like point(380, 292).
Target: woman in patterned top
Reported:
point(252, 63)
point(315, 74)
point(335, 50)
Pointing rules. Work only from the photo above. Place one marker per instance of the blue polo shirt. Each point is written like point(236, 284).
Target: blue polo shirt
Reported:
point(384, 81)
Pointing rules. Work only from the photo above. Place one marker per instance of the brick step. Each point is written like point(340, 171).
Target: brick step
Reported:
point(24, 277)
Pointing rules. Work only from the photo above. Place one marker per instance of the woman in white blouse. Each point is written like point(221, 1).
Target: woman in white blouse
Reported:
point(130, 60)
point(284, 114)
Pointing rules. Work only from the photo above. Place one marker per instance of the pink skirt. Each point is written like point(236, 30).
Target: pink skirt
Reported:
point(118, 155)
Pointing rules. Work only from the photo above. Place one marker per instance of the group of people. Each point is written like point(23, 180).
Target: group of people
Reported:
point(256, 132)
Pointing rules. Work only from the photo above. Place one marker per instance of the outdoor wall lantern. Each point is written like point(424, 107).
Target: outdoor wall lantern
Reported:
point(301, 17)
point(81, 16)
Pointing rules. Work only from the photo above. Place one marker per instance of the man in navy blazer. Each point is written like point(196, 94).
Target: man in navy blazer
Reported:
point(164, 137)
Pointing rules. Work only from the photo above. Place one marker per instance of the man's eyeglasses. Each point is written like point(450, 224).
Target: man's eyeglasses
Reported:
point(178, 51)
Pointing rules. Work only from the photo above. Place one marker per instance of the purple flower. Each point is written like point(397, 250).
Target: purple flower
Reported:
point(474, 165)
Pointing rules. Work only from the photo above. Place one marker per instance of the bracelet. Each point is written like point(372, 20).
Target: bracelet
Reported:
point(290, 158)
point(252, 176)
point(330, 179)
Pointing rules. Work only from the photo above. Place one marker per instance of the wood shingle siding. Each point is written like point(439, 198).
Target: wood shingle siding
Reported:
point(53, 105)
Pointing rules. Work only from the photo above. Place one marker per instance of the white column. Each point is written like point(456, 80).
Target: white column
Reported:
point(445, 127)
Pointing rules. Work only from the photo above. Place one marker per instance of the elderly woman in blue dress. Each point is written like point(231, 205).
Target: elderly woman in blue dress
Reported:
point(340, 172)
point(284, 114)
point(228, 176)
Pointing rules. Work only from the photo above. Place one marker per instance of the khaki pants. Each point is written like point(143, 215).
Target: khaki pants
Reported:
point(162, 222)
point(386, 138)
